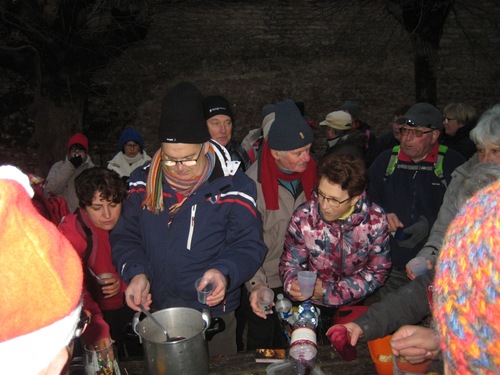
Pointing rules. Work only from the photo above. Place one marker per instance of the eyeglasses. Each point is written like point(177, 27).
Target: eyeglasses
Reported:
point(415, 132)
point(333, 202)
point(186, 163)
point(132, 145)
point(450, 118)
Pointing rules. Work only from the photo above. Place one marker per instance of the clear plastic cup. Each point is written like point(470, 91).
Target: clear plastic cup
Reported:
point(418, 266)
point(204, 292)
point(265, 299)
point(307, 280)
point(101, 361)
point(104, 278)
point(402, 367)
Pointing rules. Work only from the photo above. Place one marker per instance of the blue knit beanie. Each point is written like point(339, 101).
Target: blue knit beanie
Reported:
point(289, 130)
point(130, 134)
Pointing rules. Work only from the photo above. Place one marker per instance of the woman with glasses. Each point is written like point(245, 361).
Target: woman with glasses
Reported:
point(131, 156)
point(459, 120)
point(340, 235)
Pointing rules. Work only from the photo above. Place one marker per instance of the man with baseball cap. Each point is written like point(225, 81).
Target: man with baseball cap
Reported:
point(409, 182)
point(340, 134)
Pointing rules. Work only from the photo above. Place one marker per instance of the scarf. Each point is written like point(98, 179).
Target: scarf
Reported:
point(130, 160)
point(154, 184)
point(270, 173)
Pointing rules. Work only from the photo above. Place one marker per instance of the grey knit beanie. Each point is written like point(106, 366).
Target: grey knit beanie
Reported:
point(289, 130)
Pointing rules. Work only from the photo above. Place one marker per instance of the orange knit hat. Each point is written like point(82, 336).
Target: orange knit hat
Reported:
point(41, 280)
point(467, 287)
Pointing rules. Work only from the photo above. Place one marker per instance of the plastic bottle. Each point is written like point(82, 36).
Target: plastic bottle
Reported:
point(308, 315)
point(303, 344)
point(283, 307)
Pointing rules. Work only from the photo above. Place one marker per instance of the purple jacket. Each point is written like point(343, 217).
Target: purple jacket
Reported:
point(351, 256)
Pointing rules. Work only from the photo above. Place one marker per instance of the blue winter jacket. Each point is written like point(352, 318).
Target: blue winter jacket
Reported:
point(217, 227)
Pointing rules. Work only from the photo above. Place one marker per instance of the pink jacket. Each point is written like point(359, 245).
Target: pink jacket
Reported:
point(351, 257)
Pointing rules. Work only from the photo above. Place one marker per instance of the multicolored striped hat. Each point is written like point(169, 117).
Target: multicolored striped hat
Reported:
point(467, 287)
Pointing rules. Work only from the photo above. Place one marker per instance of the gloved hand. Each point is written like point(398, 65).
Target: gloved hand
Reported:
point(76, 161)
point(418, 231)
point(339, 338)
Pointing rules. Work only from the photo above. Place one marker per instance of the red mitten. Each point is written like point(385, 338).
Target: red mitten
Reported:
point(340, 340)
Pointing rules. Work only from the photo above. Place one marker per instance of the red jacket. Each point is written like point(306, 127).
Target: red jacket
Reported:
point(98, 261)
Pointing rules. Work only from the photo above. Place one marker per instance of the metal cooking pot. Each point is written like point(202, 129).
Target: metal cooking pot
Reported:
point(188, 355)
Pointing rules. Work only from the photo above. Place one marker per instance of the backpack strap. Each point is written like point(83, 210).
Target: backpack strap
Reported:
point(391, 165)
point(88, 234)
point(438, 165)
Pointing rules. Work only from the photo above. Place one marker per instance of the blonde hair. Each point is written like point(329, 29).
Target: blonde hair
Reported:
point(464, 113)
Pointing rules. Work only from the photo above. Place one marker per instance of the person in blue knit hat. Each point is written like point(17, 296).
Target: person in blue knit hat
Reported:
point(131, 156)
point(285, 176)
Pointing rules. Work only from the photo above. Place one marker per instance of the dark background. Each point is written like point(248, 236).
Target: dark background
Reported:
point(106, 65)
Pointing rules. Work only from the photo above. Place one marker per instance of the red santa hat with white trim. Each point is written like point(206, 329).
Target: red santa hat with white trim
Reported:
point(41, 281)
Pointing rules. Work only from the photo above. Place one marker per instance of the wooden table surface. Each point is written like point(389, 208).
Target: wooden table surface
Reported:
point(244, 364)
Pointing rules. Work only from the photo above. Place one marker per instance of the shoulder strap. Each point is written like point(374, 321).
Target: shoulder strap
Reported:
point(391, 165)
point(88, 234)
point(438, 166)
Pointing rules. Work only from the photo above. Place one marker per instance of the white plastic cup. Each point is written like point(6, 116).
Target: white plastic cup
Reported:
point(307, 280)
point(418, 266)
point(205, 292)
point(265, 299)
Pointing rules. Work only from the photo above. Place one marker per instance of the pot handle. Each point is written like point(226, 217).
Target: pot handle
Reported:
point(218, 325)
point(207, 317)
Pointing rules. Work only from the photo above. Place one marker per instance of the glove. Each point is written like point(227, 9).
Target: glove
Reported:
point(76, 161)
point(339, 338)
point(419, 231)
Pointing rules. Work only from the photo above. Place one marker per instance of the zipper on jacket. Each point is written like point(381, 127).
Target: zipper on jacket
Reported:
point(341, 265)
point(191, 227)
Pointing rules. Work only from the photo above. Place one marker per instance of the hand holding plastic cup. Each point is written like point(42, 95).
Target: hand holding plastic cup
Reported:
point(418, 266)
point(204, 292)
point(105, 278)
point(307, 280)
point(403, 367)
point(265, 299)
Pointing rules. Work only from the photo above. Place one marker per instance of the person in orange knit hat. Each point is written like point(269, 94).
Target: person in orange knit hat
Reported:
point(467, 288)
point(42, 284)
